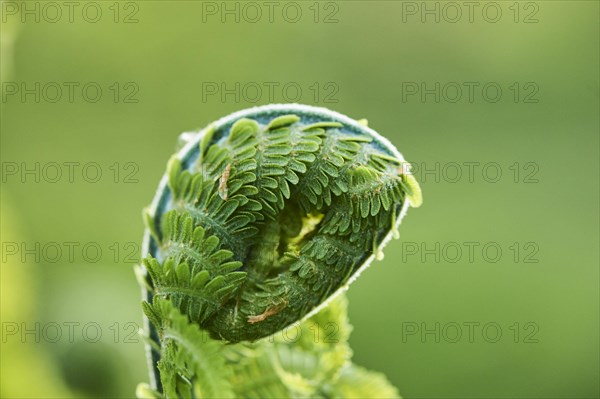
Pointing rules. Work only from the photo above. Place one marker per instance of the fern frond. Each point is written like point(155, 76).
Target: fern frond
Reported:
point(190, 360)
point(265, 216)
point(195, 293)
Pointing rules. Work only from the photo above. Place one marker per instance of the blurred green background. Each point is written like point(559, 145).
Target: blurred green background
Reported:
point(161, 66)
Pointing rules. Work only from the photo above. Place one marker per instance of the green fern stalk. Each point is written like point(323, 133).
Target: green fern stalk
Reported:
point(260, 223)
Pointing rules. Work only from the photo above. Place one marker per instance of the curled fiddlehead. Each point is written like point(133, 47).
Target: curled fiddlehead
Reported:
point(261, 219)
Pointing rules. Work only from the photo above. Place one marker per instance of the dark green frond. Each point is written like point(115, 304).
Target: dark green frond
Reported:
point(262, 220)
